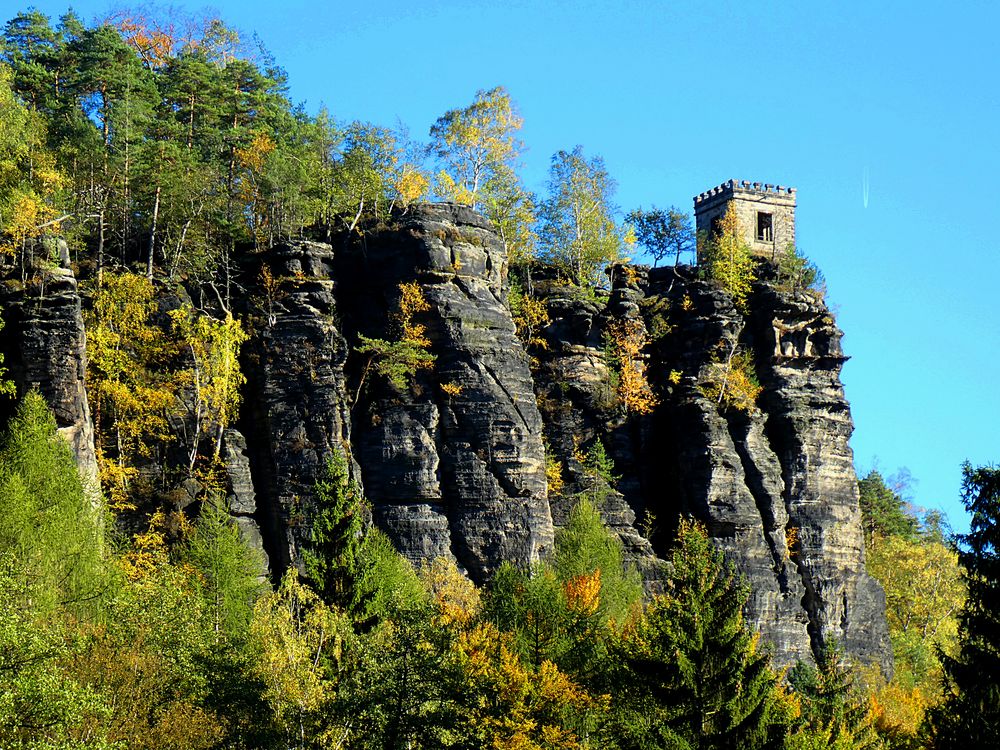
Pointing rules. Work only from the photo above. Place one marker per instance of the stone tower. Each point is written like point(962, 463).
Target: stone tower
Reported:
point(766, 214)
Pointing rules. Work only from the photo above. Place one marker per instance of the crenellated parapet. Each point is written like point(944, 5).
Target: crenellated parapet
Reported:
point(730, 187)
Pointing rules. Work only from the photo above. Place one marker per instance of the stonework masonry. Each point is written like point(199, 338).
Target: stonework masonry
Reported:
point(766, 214)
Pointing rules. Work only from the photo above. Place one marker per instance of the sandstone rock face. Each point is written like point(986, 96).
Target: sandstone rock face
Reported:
point(459, 473)
point(45, 347)
point(775, 487)
point(295, 412)
point(808, 426)
point(241, 498)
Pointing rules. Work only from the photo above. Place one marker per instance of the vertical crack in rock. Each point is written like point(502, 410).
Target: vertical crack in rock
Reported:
point(763, 495)
point(474, 485)
point(296, 410)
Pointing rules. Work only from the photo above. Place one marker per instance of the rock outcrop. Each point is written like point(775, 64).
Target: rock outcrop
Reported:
point(454, 464)
point(775, 485)
point(296, 411)
point(453, 458)
point(45, 347)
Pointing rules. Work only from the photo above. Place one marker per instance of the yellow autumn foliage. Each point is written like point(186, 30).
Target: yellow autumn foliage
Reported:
point(412, 302)
point(513, 706)
point(627, 339)
point(732, 382)
point(730, 261)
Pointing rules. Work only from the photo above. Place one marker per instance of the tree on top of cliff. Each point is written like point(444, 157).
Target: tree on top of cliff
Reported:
point(473, 142)
point(970, 715)
point(663, 232)
point(578, 231)
point(479, 150)
point(29, 180)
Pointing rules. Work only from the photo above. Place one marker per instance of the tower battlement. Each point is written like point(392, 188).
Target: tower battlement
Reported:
point(766, 214)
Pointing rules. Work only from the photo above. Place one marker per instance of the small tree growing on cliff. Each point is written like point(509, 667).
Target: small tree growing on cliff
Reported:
point(398, 360)
point(214, 375)
point(729, 260)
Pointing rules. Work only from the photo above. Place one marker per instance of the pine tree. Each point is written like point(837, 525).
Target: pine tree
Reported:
point(693, 673)
point(970, 715)
point(332, 559)
point(883, 511)
point(831, 704)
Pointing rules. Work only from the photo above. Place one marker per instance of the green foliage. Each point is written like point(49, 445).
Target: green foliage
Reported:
point(600, 464)
point(883, 511)
point(30, 184)
point(970, 713)
point(831, 705)
point(396, 361)
point(578, 232)
point(476, 144)
point(49, 523)
point(692, 674)
point(924, 592)
point(230, 573)
point(663, 232)
point(35, 699)
point(563, 611)
point(388, 585)
point(331, 561)
point(729, 260)
point(796, 272)
point(301, 643)
point(585, 545)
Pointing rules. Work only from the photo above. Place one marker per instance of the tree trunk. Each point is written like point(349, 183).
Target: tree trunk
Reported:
point(152, 235)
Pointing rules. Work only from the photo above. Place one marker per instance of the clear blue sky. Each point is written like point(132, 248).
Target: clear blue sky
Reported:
point(678, 97)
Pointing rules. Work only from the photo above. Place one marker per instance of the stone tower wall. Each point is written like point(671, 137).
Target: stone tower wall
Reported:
point(750, 198)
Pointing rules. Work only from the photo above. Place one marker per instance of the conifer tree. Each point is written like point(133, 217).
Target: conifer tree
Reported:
point(970, 715)
point(693, 673)
point(48, 522)
point(832, 706)
point(331, 561)
point(883, 511)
